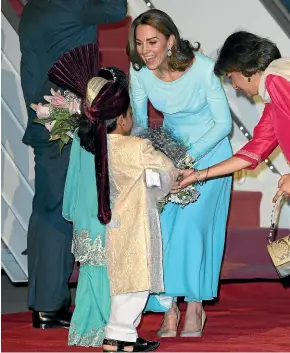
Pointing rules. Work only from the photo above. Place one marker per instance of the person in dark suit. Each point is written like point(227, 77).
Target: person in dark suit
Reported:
point(48, 29)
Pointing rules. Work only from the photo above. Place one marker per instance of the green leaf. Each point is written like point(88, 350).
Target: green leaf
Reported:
point(64, 138)
point(61, 145)
point(57, 125)
point(42, 121)
point(60, 114)
point(54, 137)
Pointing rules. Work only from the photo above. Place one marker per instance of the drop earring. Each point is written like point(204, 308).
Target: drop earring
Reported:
point(249, 79)
point(169, 52)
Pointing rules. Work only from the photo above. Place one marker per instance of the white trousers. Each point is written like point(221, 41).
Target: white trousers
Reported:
point(125, 316)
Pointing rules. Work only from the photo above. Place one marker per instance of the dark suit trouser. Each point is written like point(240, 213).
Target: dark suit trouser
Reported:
point(49, 238)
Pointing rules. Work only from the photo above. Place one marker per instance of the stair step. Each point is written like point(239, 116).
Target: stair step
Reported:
point(114, 35)
point(244, 209)
point(114, 57)
point(17, 6)
point(155, 117)
point(75, 274)
point(246, 254)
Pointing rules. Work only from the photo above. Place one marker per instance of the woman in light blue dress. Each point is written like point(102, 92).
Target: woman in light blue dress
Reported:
point(181, 84)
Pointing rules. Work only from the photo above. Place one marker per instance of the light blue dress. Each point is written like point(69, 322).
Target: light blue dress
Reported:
point(80, 206)
point(195, 108)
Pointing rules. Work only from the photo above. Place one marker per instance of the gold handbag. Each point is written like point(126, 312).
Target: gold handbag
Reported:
point(279, 249)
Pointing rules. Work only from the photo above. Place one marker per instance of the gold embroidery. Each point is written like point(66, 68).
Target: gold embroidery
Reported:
point(281, 250)
point(94, 86)
point(251, 155)
point(134, 249)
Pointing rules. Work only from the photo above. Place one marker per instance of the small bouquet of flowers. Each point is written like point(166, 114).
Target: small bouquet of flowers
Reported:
point(59, 115)
point(176, 150)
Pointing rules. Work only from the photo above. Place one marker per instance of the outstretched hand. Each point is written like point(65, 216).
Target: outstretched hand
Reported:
point(187, 177)
point(182, 181)
point(283, 187)
point(175, 188)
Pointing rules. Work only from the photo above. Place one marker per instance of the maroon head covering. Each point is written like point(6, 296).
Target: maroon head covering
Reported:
point(105, 96)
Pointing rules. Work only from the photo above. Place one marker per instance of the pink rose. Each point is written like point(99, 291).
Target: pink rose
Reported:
point(56, 99)
point(42, 111)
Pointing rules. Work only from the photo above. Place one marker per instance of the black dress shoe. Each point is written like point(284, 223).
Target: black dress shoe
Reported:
point(149, 343)
point(140, 345)
point(51, 319)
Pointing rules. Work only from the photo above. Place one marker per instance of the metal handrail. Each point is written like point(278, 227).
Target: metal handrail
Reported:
point(10, 14)
point(280, 13)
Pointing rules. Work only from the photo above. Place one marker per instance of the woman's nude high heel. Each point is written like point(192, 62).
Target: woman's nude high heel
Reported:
point(188, 333)
point(169, 329)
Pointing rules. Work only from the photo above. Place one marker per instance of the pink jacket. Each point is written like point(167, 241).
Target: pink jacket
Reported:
point(273, 128)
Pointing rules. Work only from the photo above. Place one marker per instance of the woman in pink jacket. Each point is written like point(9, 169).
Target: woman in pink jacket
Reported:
point(255, 66)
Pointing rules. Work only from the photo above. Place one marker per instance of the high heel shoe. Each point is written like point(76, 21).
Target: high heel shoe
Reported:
point(164, 330)
point(188, 333)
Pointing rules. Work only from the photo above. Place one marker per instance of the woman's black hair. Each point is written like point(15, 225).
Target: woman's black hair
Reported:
point(247, 53)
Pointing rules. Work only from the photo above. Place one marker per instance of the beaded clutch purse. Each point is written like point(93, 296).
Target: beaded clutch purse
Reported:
point(279, 249)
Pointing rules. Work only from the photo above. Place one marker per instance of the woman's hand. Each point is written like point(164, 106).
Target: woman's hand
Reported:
point(187, 177)
point(182, 174)
point(283, 187)
point(175, 188)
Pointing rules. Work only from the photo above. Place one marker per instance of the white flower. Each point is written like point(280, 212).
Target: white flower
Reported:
point(188, 160)
point(74, 106)
point(50, 126)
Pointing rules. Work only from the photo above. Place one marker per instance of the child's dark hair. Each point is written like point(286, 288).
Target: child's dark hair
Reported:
point(87, 129)
point(108, 102)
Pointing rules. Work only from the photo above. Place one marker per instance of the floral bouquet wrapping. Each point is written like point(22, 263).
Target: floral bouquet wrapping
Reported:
point(59, 115)
point(176, 150)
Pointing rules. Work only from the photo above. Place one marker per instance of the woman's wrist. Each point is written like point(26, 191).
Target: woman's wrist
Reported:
point(205, 174)
point(201, 175)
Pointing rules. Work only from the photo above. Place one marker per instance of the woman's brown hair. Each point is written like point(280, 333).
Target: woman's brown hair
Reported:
point(182, 50)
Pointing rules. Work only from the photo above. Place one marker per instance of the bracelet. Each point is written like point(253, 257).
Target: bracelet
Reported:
point(197, 175)
point(205, 180)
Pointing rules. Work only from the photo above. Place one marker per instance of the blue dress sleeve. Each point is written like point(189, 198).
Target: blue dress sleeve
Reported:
point(218, 105)
point(139, 101)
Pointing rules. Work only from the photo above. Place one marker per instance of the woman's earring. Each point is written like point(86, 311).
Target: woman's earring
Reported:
point(169, 52)
point(249, 79)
